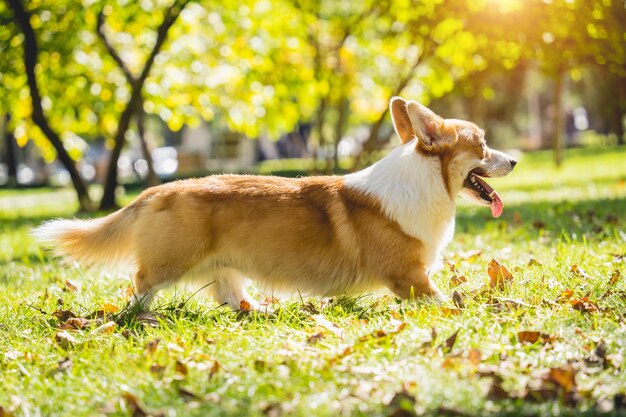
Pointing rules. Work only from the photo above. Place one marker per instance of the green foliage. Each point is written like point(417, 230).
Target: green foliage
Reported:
point(261, 67)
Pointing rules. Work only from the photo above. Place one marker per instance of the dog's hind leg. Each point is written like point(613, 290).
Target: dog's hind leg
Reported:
point(149, 280)
point(227, 286)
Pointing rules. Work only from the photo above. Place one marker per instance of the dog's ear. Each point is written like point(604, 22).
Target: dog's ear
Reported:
point(433, 135)
point(400, 118)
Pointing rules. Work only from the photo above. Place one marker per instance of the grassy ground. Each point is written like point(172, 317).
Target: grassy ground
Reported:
point(561, 230)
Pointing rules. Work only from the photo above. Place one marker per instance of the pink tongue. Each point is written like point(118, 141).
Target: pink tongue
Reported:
point(496, 205)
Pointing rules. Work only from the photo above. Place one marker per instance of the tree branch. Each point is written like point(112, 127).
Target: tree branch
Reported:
point(169, 18)
point(111, 50)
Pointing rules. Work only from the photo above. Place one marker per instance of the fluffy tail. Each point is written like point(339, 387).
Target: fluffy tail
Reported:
point(96, 241)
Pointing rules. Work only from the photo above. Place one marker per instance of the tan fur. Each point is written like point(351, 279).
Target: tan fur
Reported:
point(286, 233)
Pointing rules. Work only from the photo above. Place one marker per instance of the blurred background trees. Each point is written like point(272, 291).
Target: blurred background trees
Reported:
point(109, 91)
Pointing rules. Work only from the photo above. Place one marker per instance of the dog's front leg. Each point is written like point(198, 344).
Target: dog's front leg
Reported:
point(415, 284)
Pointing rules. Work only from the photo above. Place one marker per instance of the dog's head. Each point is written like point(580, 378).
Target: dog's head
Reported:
point(461, 148)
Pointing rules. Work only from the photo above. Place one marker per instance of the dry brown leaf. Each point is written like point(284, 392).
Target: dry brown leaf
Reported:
point(70, 286)
point(148, 318)
point(565, 296)
point(105, 328)
point(314, 338)
point(499, 275)
point(529, 336)
point(132, 403)
point(564, 377)
point(458, 300)
point(584, 304)
point(181, 368)
point(457, 280)
point(109, 308)
point(615, 276)
point(214, 369)
point(245, 305)
point(76, 323)
point(474, 356)
point(157, 369)
point(151, 346)
point(63, 315)
point(578, 271)
point(65, 339)
point(450, 341)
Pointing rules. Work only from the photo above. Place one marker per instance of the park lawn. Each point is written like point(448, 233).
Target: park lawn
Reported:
point(562, 237)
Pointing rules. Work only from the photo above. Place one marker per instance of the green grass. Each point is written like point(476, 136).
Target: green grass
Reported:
point(284, 363)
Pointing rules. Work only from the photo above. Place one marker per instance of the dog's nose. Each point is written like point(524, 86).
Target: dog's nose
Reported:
point(513, 163)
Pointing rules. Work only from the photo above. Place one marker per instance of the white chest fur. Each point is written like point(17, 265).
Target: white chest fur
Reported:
point(412, 193)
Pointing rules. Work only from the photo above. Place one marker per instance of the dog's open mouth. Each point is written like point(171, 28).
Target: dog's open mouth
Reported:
point(476, 184)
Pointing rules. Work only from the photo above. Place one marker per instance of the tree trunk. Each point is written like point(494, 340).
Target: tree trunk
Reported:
point(340, 128)
point(9, 150)
point(152, 179)
point(558, 143)
point(38, 116)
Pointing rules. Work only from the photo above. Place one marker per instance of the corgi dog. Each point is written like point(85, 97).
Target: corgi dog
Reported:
point(384, 226)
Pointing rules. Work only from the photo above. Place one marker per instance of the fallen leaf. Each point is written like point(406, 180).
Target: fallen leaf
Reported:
point(584, 305)
point(105, 328)
point(456, 280)
point(245, 305)
point(564, 377)
point(529, 336)
point(109, 308)
point(322, 321)
point(578, 271)
point(615, 276)
point(181, 368)
point(152, 346)
point(565, 296)
point(63, 315)
point(132, 403)
point(474, 356)
point(499, 275)
point(148, 318)
point(457, 298)
point(64, 339)
point(70, 286)
point(450, 341)
point(76, 323)
point(157, 369)
point(215, 368)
